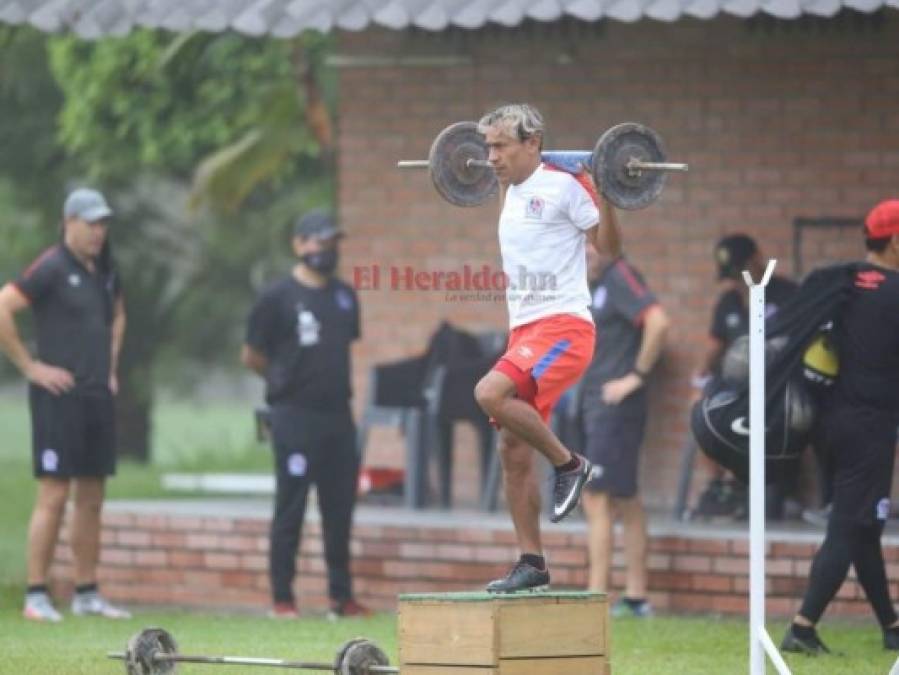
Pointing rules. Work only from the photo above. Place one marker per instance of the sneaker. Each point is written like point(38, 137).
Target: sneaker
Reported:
point(640, 609)
point(522, 577)
point(891, 639)
point(568, 487)
point(349, 608)
point(39, 607)
point(94, 604)
point(810, 645)
point(722, 499)
point(283, 610)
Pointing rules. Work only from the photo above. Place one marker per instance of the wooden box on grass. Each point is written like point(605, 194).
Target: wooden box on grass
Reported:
point(551, 633)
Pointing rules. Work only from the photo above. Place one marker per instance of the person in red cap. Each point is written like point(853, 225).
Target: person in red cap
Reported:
point(859, 423)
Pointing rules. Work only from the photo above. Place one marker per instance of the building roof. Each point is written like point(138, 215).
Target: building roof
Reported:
point(286, 18)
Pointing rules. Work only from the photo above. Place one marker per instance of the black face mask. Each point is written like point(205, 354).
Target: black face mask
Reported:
point(323, 262)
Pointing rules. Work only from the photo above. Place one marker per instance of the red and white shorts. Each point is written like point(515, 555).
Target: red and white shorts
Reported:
point(546, 357)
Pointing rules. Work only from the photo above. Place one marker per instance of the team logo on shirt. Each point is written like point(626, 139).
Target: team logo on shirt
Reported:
point(869, 279)
point(883, 509)
point(308, 327)
point(600, 295)
point(344, 299)
point(534, 207)
point(74, 280)
point(732, 320)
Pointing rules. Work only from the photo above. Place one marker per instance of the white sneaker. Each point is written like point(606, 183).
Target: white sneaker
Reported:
point(94, 604)
point(39, 607)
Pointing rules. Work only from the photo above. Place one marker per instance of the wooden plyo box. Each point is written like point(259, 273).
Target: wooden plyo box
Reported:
point(552, 633)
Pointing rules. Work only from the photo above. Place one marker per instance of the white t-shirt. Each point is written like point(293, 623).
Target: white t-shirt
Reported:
point(542, 243)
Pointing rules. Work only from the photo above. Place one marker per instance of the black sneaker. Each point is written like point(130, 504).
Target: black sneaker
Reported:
point(891, 639)
point(722, 499)
point(810, 645)
point(568, 487)
point(522, 577)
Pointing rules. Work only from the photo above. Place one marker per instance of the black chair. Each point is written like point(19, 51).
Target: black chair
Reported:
point(424, 396)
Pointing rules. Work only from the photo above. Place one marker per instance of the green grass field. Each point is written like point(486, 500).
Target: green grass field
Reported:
point(663, 645)
point(220, 437)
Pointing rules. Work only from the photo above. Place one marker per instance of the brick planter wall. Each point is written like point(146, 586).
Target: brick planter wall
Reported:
point(209, 562)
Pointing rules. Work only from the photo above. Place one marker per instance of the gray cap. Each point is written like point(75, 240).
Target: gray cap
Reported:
point(86, 204)
point(319, 224)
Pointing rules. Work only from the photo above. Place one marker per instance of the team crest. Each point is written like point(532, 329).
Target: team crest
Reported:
point(344, 299)
point(534, 208)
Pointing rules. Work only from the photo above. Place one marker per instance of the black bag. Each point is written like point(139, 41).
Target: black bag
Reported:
point(720, 424)
point(720, 420)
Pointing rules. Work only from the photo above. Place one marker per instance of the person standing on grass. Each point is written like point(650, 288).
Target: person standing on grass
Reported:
point(858, 423)
point(76, 298)
point(298, 338)
point(631, 327)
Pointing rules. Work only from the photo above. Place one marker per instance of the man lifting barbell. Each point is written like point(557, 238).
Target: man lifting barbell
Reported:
point(549, 209)
point(547, 216)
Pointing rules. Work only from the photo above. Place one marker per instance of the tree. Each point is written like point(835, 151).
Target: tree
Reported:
point(140, 114)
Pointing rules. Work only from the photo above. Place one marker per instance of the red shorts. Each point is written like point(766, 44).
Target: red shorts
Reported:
point(546, 357)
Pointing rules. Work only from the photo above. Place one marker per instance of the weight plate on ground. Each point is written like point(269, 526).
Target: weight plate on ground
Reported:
point(360, 655)
point(457, 182)
point(144, 646)
point(341, 652)
point(615, 148)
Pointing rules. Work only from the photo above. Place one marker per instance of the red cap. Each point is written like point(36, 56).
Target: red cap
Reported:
point(883, 221)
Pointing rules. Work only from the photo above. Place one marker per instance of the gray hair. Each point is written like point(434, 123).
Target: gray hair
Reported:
point(520, 119)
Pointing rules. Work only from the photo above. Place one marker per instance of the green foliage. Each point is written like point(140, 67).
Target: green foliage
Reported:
point(140, 117)
point(129, 103)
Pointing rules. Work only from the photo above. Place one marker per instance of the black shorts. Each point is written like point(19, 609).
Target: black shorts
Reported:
point(73, 435)
point(861, 445)
point(612, 439)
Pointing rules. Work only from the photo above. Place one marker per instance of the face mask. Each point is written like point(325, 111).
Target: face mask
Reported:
point(323, 262)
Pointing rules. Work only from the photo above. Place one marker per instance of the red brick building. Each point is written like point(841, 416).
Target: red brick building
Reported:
point(778, 119)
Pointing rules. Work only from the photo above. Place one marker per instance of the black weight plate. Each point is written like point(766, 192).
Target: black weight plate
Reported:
point(615, 148)
point(344, 648)
point(457, 182)
point(360, 655)
point(144, 646)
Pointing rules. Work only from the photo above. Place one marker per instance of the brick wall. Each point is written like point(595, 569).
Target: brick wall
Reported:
point(777, 120)
point(221, 562)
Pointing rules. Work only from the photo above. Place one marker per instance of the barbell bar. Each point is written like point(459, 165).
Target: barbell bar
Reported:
point(154, 651)
point(628, 163)
point(633, 164)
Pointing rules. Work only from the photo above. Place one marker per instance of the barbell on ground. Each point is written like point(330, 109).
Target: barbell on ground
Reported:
point(154, 651)
point(628, 164)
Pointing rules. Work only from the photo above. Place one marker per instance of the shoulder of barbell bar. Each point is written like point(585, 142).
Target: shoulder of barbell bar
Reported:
point(657, 166)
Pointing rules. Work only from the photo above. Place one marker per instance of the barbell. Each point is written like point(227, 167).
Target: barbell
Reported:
point(628, 164)
point(154, 651)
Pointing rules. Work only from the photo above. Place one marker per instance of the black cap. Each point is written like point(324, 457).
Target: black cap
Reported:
point(319, 224)
point(732, 253)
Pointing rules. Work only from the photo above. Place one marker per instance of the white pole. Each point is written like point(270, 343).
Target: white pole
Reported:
point(759, 642)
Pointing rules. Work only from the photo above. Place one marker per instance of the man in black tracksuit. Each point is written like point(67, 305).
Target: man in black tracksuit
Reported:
point(298, 338)
point(859, 421)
